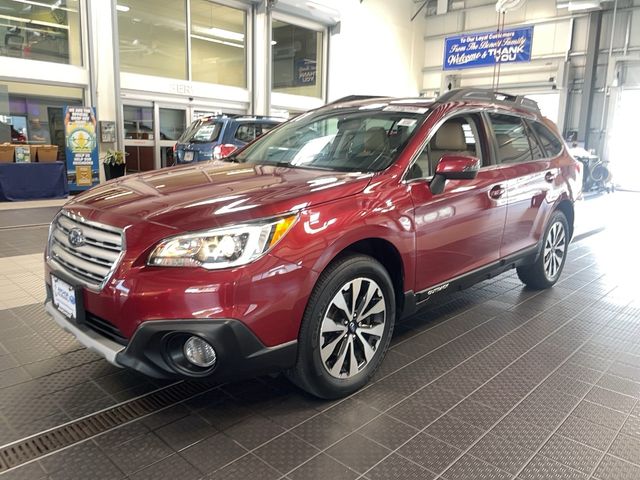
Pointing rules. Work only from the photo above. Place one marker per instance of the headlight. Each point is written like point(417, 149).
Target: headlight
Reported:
point(223, 247)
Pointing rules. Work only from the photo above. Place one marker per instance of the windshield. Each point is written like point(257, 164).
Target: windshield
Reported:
point(362, 140)
point(201, 131)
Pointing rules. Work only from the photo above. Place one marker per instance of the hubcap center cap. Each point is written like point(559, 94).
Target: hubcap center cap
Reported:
point(352, 327)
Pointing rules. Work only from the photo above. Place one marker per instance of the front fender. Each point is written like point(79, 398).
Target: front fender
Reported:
point(324, 231)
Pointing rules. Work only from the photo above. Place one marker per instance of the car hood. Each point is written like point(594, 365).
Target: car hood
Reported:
point(214, 193)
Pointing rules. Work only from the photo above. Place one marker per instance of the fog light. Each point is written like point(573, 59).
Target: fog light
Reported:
point(199, 352)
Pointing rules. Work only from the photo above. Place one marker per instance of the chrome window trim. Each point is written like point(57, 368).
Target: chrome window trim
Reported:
point(101, 226)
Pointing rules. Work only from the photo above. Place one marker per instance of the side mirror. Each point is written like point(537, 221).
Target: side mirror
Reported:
point(454, 167)
point(458, 167)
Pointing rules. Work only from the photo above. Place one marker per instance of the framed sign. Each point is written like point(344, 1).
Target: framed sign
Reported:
point(107, 132)
point(485, 49)
point(81, 147)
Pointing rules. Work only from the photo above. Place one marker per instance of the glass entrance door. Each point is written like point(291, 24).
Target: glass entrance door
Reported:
point(151, 132)
point(139, 136)
point(173, 122)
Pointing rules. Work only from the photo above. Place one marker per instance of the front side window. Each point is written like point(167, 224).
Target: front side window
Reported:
point(45, 31)
point(296, 54)
point(152, 38)
point(511, 136)
point(351, 141)
point(248, 132)
point(457, 136)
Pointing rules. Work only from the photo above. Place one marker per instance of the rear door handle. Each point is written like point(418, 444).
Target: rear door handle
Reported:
point(496, 192)
point(550, 177)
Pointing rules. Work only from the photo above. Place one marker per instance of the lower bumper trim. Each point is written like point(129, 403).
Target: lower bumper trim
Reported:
point(88, 338)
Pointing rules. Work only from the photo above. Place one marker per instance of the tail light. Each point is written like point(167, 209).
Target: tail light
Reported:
point(222, 151)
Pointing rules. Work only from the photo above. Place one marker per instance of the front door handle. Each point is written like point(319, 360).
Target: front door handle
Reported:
point(550, 177)
point(496, 192)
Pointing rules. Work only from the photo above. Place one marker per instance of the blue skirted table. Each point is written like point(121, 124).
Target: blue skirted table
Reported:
point(32, 181)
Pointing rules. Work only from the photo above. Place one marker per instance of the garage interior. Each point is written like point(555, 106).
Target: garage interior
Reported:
point(494, 382)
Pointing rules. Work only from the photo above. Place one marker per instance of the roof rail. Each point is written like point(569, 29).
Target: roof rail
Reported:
point(465, 94)
point(353, 98)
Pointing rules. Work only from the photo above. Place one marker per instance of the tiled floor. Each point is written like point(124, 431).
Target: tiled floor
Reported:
point(496, 382)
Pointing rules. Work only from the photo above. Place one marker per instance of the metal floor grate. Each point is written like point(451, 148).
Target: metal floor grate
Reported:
point(31, 448)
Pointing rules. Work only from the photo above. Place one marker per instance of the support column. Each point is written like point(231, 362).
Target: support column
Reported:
point(586, 103)
point(261, 81)
point(104, 70)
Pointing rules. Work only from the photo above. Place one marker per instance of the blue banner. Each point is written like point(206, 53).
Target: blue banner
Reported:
point(472, 50)
point(81, 147)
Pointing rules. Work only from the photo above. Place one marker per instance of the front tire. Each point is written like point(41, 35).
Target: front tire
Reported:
point(346, 328)
point(546, 270)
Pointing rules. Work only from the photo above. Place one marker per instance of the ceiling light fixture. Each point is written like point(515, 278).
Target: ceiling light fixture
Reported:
point(221, 42)
point(226, 34)
point(123, 8)
point(55, 6)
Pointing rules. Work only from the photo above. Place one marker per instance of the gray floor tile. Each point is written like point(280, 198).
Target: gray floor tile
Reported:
point(357, 452)
point(612, 468)
point(323, 466)
point(430, 452)
point(471, 468)
point(571, 453)
point(286, 452)
point(395, 467)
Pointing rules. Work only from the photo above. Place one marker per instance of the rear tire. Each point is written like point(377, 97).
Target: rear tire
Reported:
point(546, 270)
point(346, 328)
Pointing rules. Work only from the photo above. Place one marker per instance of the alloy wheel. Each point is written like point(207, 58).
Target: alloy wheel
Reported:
point(554, 250)
point(352, 328)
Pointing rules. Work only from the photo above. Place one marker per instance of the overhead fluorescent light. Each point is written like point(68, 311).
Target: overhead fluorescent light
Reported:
point(578, 5)
point(55, 6)
point(213, 40)
point(123, 8)
point(50, 24)
point(226, 34)
point(15, 19)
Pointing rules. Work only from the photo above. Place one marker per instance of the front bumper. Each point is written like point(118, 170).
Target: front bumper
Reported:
point(152, 349)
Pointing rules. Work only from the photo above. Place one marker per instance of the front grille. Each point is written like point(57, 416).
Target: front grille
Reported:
point(104, 328)
point(91, 263)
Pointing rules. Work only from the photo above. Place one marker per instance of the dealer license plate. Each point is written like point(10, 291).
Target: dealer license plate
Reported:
point(188, 156)
point(64, 297)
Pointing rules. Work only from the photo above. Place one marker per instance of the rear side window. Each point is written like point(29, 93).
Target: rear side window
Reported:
point(248, 132)
point(551, 143)
point(512, 139)
point(536, 148)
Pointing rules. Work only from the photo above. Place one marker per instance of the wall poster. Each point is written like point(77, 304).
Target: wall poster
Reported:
point(81, 147)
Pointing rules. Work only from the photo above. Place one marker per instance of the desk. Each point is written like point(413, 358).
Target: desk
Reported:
point(32, 181)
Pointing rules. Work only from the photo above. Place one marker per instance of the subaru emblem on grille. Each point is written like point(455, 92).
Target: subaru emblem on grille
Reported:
point(76, 237)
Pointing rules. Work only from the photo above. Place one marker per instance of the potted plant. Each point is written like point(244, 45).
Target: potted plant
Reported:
point(114, 164)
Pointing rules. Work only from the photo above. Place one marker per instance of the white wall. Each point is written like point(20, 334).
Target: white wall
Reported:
point(378, 51)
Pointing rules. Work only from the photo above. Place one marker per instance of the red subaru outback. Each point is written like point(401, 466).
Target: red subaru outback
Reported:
point(300, 251)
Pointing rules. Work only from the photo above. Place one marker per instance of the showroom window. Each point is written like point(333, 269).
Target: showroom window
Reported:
point(297, 62)
point(152, 37)
point(48, 32)
point(218, 44)
point(33, 114)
